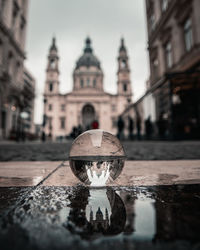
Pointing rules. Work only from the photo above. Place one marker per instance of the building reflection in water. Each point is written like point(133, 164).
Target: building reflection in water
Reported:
point(140, 215)
point(96, 211)
point(165, 216)
point(154, 214)
point(108, 212)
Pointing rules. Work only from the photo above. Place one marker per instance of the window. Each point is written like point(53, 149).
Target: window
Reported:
point(94, 83)
point(50, 122)
point(62, 107)
point(188, 34)
point(62, 122)
point(114, 122)
point(88, 82)
point(123, 64)
point(125, 87)
point(113, 107)
point(82, 83)
point(50, 86)
point(164, 5)
point(168, 53)
point(50, 107)
point(52, 64)
point(155, 67)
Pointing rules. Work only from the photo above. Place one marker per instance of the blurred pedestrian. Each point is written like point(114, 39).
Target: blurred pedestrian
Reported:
point(138, 125)
point(95, 124)
point(43, 137)
point(74, 132)
point(130, 127)
point(80, 129)
point(50, 137)
point(120, 126)
point(148, 128)
point(162, 126)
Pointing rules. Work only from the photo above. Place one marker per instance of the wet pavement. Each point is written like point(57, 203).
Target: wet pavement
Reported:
point(151, 217)
point(135, 150)
point(152, 205)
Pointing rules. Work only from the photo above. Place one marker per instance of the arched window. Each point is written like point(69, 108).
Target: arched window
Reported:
point(125, 87)
point(50, 107)
point(62, 122)
point(62, 107)
point(52, 64)
point(50, 86)
point(123, 64)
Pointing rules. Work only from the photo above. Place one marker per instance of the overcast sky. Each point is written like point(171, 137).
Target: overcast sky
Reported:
point(105, 21)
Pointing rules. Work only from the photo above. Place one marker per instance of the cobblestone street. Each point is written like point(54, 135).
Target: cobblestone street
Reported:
point(135, 150)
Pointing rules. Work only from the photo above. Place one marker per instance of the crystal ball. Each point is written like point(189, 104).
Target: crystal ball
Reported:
point(96, 157)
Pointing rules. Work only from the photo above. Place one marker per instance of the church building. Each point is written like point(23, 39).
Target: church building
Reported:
point(87, 102)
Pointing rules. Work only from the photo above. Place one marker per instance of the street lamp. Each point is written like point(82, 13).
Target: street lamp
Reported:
point(23, 115)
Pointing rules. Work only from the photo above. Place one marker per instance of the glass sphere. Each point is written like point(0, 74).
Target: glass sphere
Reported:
point(96, 157)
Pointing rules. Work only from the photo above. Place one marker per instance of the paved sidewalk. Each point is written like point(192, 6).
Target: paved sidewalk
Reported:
point(135, 150)
point(135, 173)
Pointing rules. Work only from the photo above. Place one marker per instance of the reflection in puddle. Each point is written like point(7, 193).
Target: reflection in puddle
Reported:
point(144, 224)
point(96, 211)
point(104, 211)
point(158, 215)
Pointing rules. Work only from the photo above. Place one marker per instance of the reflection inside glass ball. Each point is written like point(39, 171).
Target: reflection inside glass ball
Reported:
point(97, 173)
point(96, 157)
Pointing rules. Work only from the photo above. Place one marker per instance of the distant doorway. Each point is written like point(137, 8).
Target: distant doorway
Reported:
point(88, 116)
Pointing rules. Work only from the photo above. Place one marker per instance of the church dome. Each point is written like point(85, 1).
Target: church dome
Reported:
point(88, 58)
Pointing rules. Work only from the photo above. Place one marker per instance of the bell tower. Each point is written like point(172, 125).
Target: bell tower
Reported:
point(52, 72)
point(123, 74)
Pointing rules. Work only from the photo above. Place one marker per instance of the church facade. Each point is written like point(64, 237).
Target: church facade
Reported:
point(87, 103)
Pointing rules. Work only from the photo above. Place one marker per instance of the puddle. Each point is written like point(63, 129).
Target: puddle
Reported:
point(158, 216)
